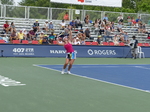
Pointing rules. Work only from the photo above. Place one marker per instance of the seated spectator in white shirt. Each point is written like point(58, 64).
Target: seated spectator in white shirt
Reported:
point(25, 32)
point(62, 24)
point(120, 18)
point(78, 41)
point(46, 25)
point(119, 27)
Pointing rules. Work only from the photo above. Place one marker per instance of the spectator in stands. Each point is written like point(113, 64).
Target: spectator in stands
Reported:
point(133, 21)
point(40, 37)
point(36, 26)
point(12, 27)
point(112, 26)
point(87, 33)
point(1, 36)
point(104, 22)
point(99, 40)
point(102, 29)
point(82, 41)
point(126, 38)
point(60, 40)
point(46, 26)
point(107, 34)
point(5, 38)
point(96, 24)
point(51, 26)
point(51, 37)
point(62, 25)
point(20, 35)
point(45, 40)
point(119, 27)
point(129, 20)
point(87, 19)
point(6, 27)
point(72, 24)
point(121, 38)
point(107, 27)
point(74, 41)
point(32, 34)
point(144, 28)
point(81, 35)
point(25, 33)
point(66, 16)
point(105, 17)
point(138, 20)
point(115, 40)
point(140, 28)
point(78, 41)
point(78, 22)
point(120, 19)
point(13, 36)
point(66, 31)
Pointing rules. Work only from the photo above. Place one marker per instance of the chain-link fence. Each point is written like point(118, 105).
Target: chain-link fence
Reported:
point(38, 13)
point(14, 11)
point(145, 18)
point(58, 13)
point(29, 12)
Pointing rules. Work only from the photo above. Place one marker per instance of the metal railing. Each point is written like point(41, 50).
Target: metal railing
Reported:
point(30, 12)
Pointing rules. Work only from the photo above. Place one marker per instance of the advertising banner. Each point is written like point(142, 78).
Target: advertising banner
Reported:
point(108, 3)
point(11, 50)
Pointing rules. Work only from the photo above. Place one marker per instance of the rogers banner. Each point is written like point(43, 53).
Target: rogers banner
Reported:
point(20, 50)
point(108, 3)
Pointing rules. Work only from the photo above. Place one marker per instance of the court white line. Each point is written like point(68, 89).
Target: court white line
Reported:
point(142, 67)
point(147, 91)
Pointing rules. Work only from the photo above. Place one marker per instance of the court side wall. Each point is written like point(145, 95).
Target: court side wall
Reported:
point(21, 50)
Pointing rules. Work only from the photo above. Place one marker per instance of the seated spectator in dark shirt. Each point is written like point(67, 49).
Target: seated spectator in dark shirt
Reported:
point(31, 34)
point(13, 36)
point(6, 27)
point(36, 26)
point(78, 23)
point(99, 39)
point(87, 33)
point(45, 40)
point(72, 23)
point(101, 31)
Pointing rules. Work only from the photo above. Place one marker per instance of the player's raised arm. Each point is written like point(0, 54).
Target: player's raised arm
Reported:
point(70, 35)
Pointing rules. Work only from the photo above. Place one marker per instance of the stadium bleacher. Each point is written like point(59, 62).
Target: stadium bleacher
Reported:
point(27, 24)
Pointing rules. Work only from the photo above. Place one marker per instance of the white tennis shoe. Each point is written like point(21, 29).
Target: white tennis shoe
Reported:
point(68, 72)
point(62, 72)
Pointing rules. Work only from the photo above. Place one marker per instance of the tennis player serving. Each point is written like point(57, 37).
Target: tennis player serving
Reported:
point(70, 54)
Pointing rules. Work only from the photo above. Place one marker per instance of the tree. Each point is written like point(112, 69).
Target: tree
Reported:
point(8, 2)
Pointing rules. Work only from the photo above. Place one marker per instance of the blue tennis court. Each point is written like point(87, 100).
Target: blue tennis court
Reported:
point(131, 76)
